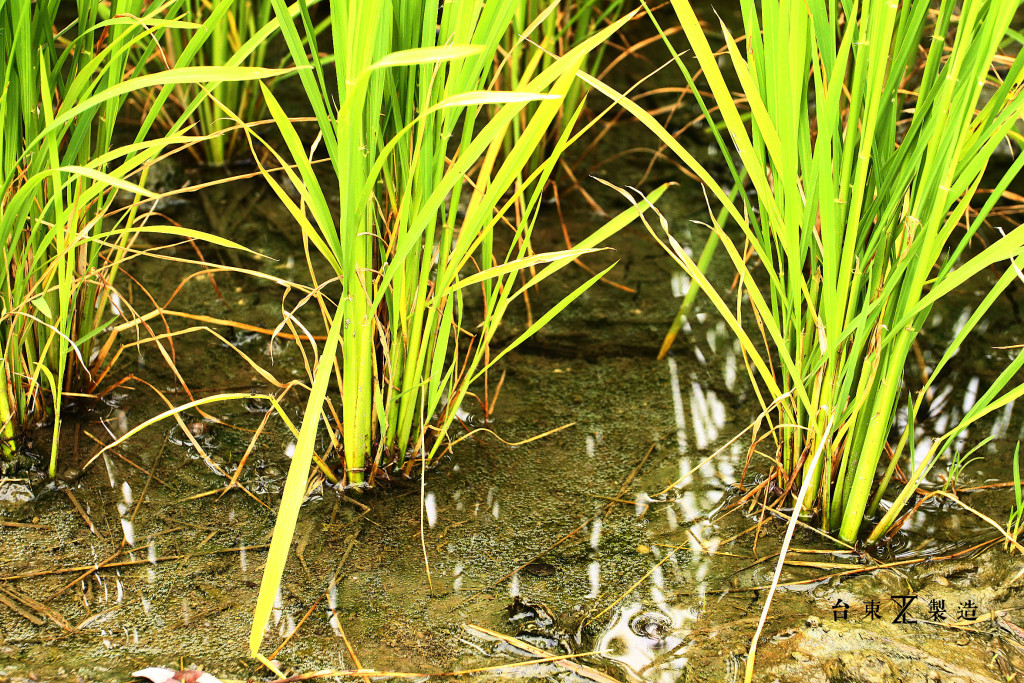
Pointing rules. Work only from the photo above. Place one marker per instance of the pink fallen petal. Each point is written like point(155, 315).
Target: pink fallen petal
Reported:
point(158, 674)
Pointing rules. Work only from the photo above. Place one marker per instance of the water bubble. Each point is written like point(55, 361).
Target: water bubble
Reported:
point(650, 625)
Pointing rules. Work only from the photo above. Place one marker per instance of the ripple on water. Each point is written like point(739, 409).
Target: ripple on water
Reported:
point(649, 643)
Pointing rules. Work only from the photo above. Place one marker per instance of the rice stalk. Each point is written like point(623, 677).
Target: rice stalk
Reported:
point(1016, 521)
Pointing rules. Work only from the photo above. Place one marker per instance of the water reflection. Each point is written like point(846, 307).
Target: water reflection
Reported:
point(680, 284)
point(670, 518)
point(665, 542)
point(594, 577)
point(708, 415)
point(430, 509)
point(677, 405)
point(729, 369)
point(332, 606)
point(650, 634)
point(595, 533)
point(123, 508)
point(457, 573)
point(649, 643)
point(643, 500)
point(111, 471)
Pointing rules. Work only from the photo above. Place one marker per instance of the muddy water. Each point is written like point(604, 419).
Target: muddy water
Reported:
point(614, 536)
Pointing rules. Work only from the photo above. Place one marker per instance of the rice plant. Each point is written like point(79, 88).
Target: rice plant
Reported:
point(400, 248)
point(866, 140)
point(553, 28)
point(234, 33)
point(62, 246)
point(232, 23)
point(401, 126)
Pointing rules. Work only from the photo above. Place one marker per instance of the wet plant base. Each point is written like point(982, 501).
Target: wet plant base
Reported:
point(592, 542)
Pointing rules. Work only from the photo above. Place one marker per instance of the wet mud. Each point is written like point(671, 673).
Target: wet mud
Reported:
point(613, 538)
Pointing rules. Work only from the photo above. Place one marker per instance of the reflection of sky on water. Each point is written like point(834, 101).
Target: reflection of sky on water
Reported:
point(683, 589)
point(650, 633)
point(683, 582)
point(649, 643)
point(662, 560)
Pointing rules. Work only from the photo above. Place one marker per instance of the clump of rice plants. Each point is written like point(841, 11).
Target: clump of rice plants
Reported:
point(62, 246)
point(407, 149)
point(400, 123)
point(866, 140)
point(231, 33)
point(552, 29)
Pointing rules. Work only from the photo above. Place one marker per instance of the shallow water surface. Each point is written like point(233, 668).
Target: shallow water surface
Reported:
point(616, 537)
